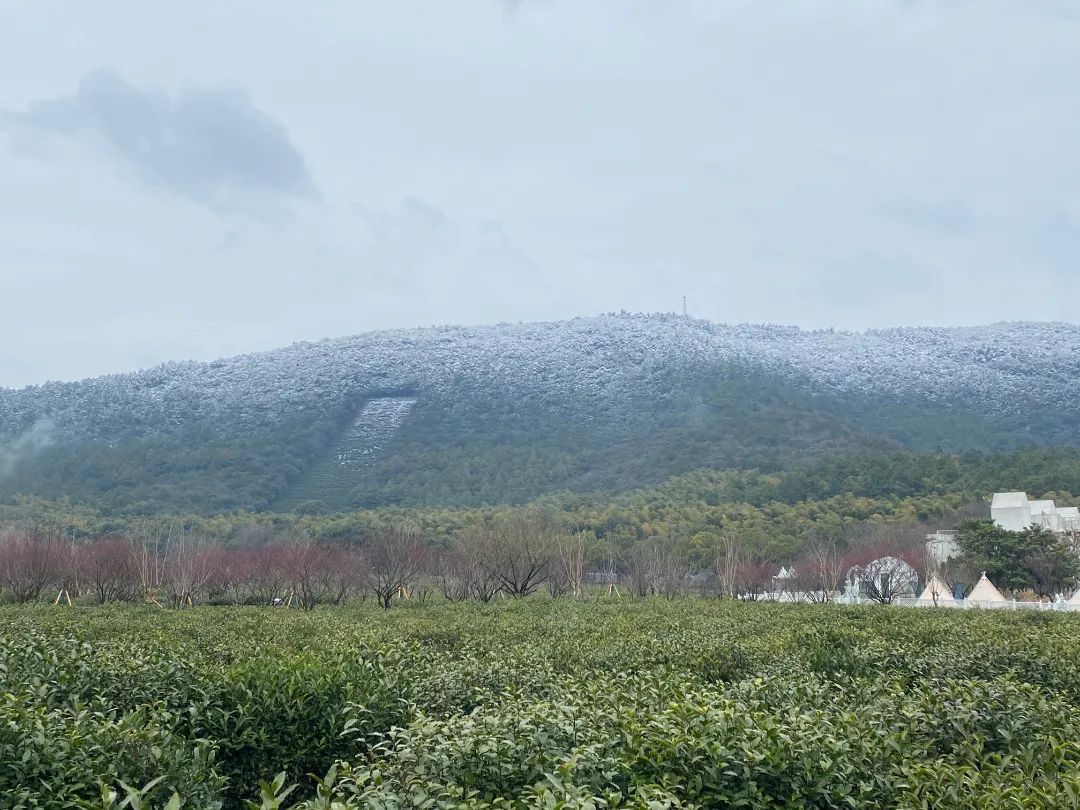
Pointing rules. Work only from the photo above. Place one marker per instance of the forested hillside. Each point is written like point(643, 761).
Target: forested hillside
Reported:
point(775, 514)
point(508, 413)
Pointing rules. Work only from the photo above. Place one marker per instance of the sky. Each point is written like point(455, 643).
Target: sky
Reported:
point(195, 179)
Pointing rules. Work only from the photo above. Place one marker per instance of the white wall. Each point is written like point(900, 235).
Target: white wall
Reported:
point(1014, 518)
point(941, 546)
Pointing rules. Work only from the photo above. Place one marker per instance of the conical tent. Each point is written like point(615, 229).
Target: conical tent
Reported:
point(984, 594)
point(1075, 597)
point(936, 592)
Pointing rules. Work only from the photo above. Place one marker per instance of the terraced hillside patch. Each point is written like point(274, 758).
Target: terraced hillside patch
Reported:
point(331, 483)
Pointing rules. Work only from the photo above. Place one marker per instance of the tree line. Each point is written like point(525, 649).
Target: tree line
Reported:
point(689, 535)
point(1034, 561)
point(514, 554)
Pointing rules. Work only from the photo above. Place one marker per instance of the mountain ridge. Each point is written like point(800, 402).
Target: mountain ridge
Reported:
point(414, 330)
point(510, 411)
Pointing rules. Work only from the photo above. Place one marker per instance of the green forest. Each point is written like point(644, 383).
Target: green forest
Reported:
point(479, 445)
point(777, 513)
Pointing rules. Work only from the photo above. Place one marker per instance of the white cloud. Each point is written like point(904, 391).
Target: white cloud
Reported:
point(846, 164)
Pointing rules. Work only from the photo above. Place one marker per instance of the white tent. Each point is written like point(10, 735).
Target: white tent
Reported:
point(1075, 597)
point(937, 592)
point(984, 594)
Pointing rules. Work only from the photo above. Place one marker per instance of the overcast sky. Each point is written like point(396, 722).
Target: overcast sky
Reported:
point(195, 179)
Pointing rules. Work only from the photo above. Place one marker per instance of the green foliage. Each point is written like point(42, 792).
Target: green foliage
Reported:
point(724, 416)
point(478, 443)
point(538, 703)
point(772, 513)
point(1033, 559)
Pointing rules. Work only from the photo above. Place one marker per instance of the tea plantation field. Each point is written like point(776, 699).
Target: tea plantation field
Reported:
point(538, 703)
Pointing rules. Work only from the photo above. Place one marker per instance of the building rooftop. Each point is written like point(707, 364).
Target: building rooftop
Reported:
point(1009, 500)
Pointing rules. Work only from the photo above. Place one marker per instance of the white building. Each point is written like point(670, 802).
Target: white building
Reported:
point(1011, 510)
point(1070, 518)
point(1044, 513)
point(941, 546)
point(1015, 511)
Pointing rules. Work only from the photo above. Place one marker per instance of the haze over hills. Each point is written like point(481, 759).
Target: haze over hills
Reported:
point(502, 414)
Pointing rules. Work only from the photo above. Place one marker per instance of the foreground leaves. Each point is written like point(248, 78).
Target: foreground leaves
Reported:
point(538, 704)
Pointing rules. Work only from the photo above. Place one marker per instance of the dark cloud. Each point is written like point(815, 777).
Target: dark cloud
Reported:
point(212, 146)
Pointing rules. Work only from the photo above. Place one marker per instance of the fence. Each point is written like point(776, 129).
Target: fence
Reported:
point(981, 604)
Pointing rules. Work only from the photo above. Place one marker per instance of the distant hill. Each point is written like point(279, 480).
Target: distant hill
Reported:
point(502, 414)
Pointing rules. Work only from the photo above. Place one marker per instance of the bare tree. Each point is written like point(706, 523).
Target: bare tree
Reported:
point(188, 568)
point(395, 557)
point(477, 558)
point(68, 565)
point(887, 558)
point(672, 572)
point(572, 550)
point(225, 575)
point(821, 571)
point(639, 560)
point(29, 563)
point(557, 582)
point(788, 583)
point(340, 571)
point(523, 556)
point(303, 562)
point(607, 573)
point(740, 570)
point(149, 548)
point(936, 585)
point(454, 573)
point(108, 569)
point(654, 566)
point(755, 577)
point(729, 561)
point(262, 573)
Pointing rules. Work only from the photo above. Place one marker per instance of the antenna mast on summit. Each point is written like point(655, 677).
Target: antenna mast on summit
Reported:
point(684, 314)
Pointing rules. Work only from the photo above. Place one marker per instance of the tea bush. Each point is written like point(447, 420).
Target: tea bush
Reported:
point(538, 703)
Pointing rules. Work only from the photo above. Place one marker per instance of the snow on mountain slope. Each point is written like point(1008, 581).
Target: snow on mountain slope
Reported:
point(333, 479)
point(513, 410)
point(1000, 368)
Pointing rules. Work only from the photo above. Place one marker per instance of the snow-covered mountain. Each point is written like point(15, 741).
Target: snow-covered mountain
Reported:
point(541, 406)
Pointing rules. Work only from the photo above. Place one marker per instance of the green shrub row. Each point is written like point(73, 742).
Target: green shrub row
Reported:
point(538, 703)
